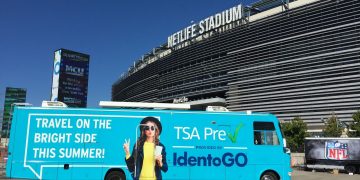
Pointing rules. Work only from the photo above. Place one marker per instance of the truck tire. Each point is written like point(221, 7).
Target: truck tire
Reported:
point(350, 168)
point(269, 176)
point(115, 175)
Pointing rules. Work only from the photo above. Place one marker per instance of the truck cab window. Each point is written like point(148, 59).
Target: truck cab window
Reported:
point(265, 134)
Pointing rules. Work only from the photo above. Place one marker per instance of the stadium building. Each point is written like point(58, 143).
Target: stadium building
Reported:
point(13, 96)
point(297, 58)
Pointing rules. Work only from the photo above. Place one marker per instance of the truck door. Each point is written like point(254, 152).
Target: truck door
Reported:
point(267, 150)
point(236, 144)
point(197, 146)
point(160, 121)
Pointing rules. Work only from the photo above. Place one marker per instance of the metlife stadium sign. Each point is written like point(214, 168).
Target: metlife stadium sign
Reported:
point(220, 19)
point(70, 78)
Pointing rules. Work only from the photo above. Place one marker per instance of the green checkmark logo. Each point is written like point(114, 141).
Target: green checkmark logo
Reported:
point(234, 137)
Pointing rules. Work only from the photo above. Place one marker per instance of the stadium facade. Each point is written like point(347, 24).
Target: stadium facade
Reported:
point(300, 58)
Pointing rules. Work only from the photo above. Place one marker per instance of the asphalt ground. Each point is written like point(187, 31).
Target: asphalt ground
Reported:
point(324, 175)
point(308, 175)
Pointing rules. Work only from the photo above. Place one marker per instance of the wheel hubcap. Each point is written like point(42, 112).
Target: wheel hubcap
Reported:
point(267, 177)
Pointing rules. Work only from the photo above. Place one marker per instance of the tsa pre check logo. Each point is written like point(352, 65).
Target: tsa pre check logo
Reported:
point(236, 133)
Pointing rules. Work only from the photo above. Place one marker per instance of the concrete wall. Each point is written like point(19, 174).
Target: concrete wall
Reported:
point(297, 159)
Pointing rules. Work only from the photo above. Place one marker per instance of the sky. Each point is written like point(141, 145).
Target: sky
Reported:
point(115, 33)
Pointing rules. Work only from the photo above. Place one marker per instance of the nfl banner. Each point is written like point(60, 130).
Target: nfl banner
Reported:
point(336, 150)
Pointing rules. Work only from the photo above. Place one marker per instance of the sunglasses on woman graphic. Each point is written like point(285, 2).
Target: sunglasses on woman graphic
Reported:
point(152, 128)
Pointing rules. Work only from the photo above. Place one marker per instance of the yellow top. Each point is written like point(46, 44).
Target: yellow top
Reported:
point(148, 166)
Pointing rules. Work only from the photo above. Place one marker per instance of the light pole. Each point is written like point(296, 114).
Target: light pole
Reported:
point(10, 117)
point(345, 129)
point(322, 132)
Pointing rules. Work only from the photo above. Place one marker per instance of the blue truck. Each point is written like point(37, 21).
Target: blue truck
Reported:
point(86, 143)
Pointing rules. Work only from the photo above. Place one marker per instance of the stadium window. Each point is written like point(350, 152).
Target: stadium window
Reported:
point(223, 54)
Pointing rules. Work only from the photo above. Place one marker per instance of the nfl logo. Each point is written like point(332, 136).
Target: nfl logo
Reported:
point(336, 150)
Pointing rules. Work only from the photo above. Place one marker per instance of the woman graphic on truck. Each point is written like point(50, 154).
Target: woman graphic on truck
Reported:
point(148, 157)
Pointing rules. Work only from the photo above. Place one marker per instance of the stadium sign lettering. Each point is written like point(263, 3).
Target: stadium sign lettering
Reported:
point(226, 17)
point(74, 70)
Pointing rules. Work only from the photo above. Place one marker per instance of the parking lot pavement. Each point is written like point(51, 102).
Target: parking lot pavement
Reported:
point(309, 175)
point(301, 175)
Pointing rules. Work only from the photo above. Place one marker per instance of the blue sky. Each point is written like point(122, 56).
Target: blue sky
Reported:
point(114, 33)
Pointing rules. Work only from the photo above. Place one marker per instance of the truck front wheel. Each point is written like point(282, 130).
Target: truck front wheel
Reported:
point(115, 175)
point(269, 176)
point(350, 168)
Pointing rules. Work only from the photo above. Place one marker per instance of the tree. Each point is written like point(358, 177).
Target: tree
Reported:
point(332, 127)
point(355, 126)
point(295, 133)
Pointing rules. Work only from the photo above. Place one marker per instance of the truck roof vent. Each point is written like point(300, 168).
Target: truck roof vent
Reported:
point(217, 108)
point(114, 104)
point(53, 104)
